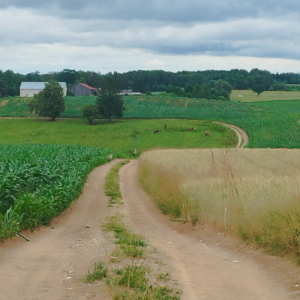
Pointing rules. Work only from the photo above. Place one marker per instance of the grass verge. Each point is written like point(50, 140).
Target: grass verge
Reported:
point(112, 188)
point(135, 279)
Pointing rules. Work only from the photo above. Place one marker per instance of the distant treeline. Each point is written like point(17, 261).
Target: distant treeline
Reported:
point(185, 83)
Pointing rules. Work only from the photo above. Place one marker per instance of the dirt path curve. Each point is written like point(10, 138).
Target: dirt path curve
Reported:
point(204, 272)
point(50, 266)
point(241, 133)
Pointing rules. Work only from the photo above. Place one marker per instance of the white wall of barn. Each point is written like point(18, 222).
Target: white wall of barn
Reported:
point(31, 93)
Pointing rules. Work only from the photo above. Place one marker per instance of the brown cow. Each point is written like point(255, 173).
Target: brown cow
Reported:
point(156, 131)
point(207, 133)
point(192, 128)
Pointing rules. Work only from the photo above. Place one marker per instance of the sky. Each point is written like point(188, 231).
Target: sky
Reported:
point(122, 35)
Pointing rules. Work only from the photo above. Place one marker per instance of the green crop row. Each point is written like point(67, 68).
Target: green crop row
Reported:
point(37, 182)
point(268, 125)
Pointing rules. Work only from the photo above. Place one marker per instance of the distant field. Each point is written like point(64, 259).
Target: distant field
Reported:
point(253, 192)
point(121, 136)
point(269, 124)
point(250, 96)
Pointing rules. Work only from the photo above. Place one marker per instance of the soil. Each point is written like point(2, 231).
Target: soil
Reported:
point(241, 133)
point(206, 264)
point(54, 263)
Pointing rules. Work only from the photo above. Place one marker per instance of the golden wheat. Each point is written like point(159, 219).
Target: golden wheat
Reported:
point(254, 192)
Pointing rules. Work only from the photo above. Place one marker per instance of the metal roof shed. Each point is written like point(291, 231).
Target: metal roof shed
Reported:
point(29, 89)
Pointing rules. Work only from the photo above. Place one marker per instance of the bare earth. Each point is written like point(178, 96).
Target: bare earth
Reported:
point(204, 271)
point(39, 270)
point(53, 264)
point(241, 133)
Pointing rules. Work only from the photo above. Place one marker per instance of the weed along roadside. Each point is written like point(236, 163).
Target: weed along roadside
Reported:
point(131, 269)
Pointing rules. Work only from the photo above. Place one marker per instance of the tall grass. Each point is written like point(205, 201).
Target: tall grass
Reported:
point(253, 192)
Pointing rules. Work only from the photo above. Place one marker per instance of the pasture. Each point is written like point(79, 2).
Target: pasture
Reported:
point(121, 136)
point(254, 193)
point(269, 124)
point(250, 96)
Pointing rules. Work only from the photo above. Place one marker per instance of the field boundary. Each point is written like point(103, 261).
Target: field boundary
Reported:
point(241, 133)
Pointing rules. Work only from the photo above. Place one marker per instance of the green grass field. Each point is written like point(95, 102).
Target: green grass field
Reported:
point(122, 136)
point(250, 96)
point(269, 124)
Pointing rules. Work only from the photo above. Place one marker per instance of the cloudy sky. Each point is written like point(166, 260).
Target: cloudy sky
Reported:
point(123, 35)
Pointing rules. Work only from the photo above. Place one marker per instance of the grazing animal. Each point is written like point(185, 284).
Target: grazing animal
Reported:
point(110, 157)
point(192, 128)
point(165, 126)
point(156, 131)
point(134, 152)
point(207, 133)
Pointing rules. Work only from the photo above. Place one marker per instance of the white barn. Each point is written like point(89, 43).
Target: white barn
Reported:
point(28, 89)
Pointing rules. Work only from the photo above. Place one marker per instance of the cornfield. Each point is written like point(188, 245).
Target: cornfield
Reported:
point(38, 182)
point(272, 124)
point(267, 126)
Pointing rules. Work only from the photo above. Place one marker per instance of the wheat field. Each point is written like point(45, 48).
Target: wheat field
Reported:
point(252, 192)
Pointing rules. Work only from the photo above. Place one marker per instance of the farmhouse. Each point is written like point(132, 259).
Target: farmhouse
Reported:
point(28, 89)
point(82, 89)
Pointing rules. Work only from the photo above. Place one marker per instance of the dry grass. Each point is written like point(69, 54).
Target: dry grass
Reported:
point(250, 96)
point(254, 192)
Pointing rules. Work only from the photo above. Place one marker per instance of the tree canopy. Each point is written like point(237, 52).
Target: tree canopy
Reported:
point(109, 103)
point(258, 88)
point(49, 102)
point(90, 112)
point(158, 80)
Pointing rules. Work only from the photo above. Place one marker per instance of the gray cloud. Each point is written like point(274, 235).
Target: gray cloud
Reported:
point(263, 29)
point(159, 10)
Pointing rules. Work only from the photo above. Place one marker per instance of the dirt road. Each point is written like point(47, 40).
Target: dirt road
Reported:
point(203, 271)
point(241, 133)
point(51, 266)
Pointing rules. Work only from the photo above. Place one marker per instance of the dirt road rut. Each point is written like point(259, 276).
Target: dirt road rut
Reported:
point(204, 272)
point(50, 267)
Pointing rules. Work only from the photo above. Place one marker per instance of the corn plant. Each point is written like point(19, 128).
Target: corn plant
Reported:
point(38, 182)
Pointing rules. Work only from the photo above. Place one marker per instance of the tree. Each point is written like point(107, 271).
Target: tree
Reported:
point(49, 102)
point(222, 88)
point(109, 103)
point(2, 88)
point(90, 112)
point(258, 88)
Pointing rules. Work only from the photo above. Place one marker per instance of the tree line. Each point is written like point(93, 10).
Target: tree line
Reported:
point(185, 83)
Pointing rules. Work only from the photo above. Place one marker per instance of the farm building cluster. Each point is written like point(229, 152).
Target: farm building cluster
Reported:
point(29, 89)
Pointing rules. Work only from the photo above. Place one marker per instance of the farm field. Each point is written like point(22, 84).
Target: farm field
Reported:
point(250, 96)
point(122, 136)
point(40, 181)
point(269, 124)
point(252, 192)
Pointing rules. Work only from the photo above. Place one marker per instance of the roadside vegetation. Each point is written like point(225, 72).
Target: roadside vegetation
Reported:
point(37, 182)
point(128, 268)
point(254, 193)
point(112, 187)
